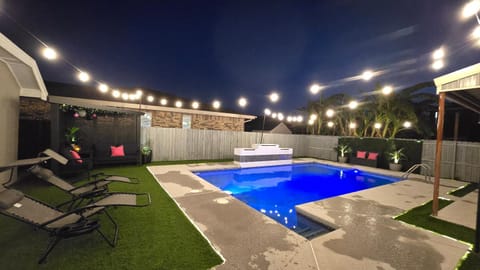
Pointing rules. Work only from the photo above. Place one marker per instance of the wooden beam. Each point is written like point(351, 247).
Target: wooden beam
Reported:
point(438, 152)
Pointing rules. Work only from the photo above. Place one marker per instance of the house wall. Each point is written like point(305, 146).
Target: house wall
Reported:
point(34, 109)
point(9, 101)
point(199, 121)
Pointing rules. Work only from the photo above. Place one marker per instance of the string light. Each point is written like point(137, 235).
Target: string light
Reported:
point(367, 75)
point(83, 76)
point(267, 111)
point(315, 88)
point(470, 9)
point(330, 113)
point(242, 102)
point(353, 105)
point(216, 104)
point(195, 104)
point(330, 124)
point(178, 104)
point(387, 90)
point(116, 93)
point(438, 58)
point(377, 125)
point(49, 53)
point(274, 97)
point(103, 88)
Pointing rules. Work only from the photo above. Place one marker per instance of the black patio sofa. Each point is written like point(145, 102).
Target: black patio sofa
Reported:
point(364, 161)
point(102, 154)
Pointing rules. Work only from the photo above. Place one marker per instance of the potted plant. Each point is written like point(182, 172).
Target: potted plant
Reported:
point(71, 135)
point(396, 155)
point(146, 151)
point(342, 150)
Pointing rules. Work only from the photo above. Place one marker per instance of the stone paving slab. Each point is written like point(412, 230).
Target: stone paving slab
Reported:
point(245, 237)
point(366, 236)
point(462, 211)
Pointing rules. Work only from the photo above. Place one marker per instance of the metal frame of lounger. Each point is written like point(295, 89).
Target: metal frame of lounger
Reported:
point(62, 160)
point(88, 191)
point(74, 222)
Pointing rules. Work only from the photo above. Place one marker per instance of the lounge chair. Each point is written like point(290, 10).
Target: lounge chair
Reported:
point(88, 191)
point(60, 224)
point(64, 161)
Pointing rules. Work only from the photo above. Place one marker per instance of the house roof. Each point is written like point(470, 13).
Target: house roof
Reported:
point(23, 68)
point(462, 87)
point(86, 94)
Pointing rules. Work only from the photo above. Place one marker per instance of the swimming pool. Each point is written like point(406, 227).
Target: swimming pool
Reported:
point(275, 190)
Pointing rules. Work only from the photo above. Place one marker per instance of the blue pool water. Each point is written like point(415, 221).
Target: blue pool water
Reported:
point(276, 190)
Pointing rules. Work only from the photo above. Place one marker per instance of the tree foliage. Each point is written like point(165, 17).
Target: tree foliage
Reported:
point(389, 111)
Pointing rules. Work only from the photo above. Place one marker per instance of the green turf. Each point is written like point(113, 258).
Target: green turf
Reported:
point(420, 216)
point(464, 190)
point(155, 237)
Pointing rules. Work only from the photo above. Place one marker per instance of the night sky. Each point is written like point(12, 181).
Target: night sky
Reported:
point(226, 49)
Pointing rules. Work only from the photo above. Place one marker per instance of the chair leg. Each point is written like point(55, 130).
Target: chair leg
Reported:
point(50, 247)
point(111, 242)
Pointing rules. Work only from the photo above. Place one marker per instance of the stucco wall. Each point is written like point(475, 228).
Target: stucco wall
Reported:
point(9, 110)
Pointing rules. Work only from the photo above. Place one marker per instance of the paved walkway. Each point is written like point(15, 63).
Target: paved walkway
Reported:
point(366, 236)
point(462, 211)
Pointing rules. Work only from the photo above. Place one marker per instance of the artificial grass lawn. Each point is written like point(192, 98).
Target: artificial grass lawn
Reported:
point(462, 191)
point(155, 237)
point(420, 216)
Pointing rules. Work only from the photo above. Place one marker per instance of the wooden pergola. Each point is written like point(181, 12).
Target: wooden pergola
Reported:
point(463, 88)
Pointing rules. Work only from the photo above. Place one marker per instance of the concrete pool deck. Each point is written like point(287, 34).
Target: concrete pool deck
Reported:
point(366, 236)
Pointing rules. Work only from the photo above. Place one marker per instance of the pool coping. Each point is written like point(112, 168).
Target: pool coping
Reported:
point(181, 199)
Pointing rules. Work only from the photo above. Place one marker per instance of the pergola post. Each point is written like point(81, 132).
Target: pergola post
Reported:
point(438, 152)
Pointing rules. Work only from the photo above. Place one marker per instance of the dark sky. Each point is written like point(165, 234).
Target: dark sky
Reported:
point(225, 49)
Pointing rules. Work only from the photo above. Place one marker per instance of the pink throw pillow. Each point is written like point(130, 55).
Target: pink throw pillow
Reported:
point(372, 156)
point(361, 154)
point(117, 151)
point(76, 156)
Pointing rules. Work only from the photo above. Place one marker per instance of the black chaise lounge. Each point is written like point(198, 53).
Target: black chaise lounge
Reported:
point(87, 191)
point(61, 225)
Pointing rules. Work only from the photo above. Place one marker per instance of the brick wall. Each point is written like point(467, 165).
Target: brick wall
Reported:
point(34, 109)
point(199, 121)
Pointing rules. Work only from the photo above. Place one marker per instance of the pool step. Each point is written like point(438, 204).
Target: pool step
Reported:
point(309, 228)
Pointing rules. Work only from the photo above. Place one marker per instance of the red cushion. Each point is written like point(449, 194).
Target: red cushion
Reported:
point(372, 156)
point(361, 154)
point(117, 151)
point(76, 156)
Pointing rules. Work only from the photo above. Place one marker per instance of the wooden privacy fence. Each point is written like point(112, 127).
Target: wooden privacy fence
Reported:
point(460, 160)
point(190, 144)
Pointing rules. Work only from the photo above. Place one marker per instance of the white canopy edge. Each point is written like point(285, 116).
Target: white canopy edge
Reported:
point(458, 75)
point(30, 66)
